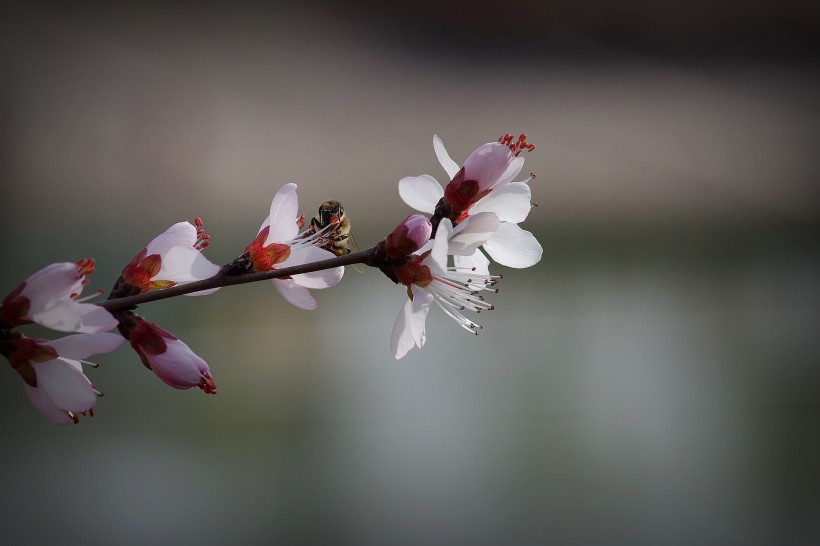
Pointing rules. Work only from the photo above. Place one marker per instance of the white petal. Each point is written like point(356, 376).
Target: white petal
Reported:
point(421, 192)
point(437, 260)
point(450, 166)
point(46, 407)
point(295, 294)
point(472, 233)
point(69, 389)
point(69, 316)
point(81, 346)
point(514, 247)
point(180, 234)
point(512, 203)
point(491, 164)
point(476, 260)
point(51, 287)
point(284, 211)
point(183, 264)
point(324, 278)
point(203, 292)
point(408, 329)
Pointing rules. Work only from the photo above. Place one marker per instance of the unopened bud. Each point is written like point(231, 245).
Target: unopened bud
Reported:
point(409, 236)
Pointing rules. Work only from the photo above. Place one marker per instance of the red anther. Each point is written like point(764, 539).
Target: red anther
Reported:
point(198, 222)
point(205, 236)
point(85, 266)
point(200, 231)
point(203, 244)
point(74, 418)
point(74, 296)
point(522, 137)
point(300, 222)
point(91, 412)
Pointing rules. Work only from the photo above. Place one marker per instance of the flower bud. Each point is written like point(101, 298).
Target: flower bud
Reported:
point(167, 356)
point(409, 236)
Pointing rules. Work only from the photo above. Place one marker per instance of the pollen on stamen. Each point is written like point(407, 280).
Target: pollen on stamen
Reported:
point(517, 146)
point(202, 238)
point(85, 266)
point(73, 417)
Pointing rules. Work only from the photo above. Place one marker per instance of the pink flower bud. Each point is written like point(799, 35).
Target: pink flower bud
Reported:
point(167, 356)
point(409, 236)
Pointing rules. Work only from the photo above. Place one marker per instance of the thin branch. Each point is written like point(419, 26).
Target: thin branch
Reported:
point(220, 279)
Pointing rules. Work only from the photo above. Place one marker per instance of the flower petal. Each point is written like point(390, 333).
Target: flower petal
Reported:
point(295, 294)
point(316, 279)
point(437, 260)
point(408, 329)
point(178, 366)
point(512, 203)
point(472, 233)
point(421, 192)
point(69, 389)
point(67, 315)
point(477, 262)
point(514, 247)
point(46, 407)
point(184, 264)
point(180, 234)
point(450, 166)
point(81, 346)
point(492, 164)
point(284, 211)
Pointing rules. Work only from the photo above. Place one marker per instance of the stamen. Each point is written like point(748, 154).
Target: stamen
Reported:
point(517, 146)
point(85, 266)
point(99, 292)
point(202, 238)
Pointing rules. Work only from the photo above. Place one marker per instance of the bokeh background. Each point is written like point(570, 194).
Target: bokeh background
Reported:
point(654, 380)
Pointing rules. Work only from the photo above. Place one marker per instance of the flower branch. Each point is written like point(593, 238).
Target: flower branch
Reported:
point(223, 279)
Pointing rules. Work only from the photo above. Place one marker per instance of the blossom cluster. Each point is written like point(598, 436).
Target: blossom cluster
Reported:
point(441, 259)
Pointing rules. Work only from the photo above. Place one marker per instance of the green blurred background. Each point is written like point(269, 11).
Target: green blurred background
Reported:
point(654, 380)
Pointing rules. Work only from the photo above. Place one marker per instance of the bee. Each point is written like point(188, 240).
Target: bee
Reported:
point(338, 239)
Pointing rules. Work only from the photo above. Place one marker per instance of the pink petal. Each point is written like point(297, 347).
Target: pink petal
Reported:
point(488, 164)
point(514, 247)
point(180, 234)
point(284, 211)
point(421, 192)
point(51, 286)
point(295, 294)
point(46, 407)
point(69, 389)
point(81, 346)
point(450, 166)
point(178, 366)
point(512, 203)
point(472, 233)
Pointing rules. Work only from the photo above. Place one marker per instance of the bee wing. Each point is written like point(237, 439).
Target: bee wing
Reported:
point(354, 247)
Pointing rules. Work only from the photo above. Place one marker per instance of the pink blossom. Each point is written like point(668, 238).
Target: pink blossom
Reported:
point(52, 372)
point(50, 297)
point(279, 245)
point(429, 279)
point(409, 236)
point(483, 184)
point(167, 356)
point(173, 257)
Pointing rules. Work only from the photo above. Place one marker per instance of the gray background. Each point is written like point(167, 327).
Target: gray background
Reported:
point(654, 380)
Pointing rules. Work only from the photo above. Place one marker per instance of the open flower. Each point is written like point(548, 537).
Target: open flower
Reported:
point(428, 279)
point(50, 297)
point(483, 184)
point(166, 355)
point(172, 258)
point(53, 375)
point(279, 245)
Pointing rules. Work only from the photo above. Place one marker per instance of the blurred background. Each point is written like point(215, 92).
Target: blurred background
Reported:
point(654, 380)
